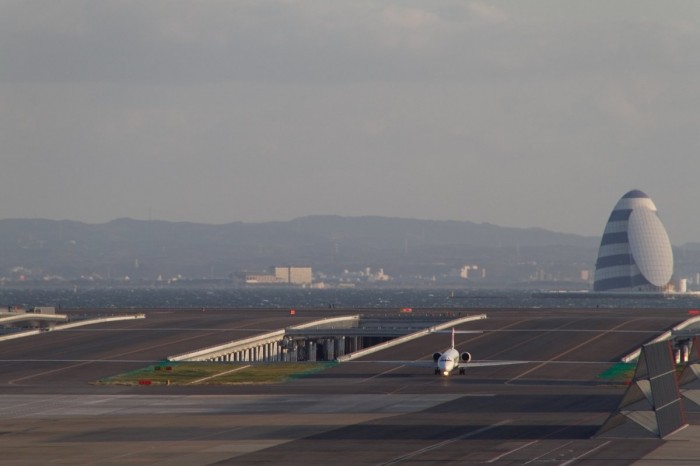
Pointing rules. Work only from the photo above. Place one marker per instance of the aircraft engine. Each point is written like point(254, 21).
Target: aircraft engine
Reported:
point(466, 357)
point(436, 356)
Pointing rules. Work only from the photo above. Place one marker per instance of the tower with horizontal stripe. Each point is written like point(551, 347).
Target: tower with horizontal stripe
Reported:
point(635, 253)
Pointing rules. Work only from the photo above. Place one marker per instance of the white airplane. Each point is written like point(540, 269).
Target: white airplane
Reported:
point(446, 362)
point(452, 359)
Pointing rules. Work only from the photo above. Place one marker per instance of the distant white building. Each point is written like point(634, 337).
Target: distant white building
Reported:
point(464, 271)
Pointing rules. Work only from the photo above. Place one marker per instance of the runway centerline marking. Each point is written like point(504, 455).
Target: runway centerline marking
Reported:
point(444, 443)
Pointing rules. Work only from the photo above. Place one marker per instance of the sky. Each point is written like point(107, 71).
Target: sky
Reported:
point(523, 114)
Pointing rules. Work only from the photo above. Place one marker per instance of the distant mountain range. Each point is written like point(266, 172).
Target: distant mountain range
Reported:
point(330, 244)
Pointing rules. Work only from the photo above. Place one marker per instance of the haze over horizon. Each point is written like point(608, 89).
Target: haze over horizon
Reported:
point(521, 114)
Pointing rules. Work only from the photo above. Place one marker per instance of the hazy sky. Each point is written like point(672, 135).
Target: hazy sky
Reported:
point(526, 114)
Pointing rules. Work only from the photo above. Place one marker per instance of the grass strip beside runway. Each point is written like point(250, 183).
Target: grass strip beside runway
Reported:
point(213, 373)
point(620, 372)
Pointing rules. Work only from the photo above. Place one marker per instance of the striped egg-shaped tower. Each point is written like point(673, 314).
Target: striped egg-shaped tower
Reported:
point(635, 253)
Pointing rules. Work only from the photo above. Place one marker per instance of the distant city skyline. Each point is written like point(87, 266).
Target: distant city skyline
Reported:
point(521, 114)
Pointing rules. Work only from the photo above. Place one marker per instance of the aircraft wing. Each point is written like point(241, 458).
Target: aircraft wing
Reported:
point(429, 363)
point(489, 363)
point(416, 363)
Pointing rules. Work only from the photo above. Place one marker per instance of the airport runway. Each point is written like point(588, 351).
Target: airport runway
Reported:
point(543, 412)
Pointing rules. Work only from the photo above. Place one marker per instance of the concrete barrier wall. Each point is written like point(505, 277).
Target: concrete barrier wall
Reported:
point(329, 320)
point(79, 323)
point(99, 320)
point(6, 318)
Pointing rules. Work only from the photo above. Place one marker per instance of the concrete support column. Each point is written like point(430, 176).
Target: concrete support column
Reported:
point(340, 347)
point(330, 349)
point(311, 351)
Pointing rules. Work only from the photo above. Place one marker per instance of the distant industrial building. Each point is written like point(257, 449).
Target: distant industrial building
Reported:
point(294, 275)
point(282, 276)
point(635, 253)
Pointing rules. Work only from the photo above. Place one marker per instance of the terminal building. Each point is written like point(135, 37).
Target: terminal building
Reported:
point(635, 253)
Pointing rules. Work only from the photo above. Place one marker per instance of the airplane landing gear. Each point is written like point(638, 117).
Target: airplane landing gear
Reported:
point(462, 371)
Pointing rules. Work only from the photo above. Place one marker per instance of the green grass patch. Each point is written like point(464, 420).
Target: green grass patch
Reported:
point(213, 373)
point(620, 372)
point(624, 372)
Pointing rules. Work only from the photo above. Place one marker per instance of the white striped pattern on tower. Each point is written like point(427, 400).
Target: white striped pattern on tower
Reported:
point(635, 253)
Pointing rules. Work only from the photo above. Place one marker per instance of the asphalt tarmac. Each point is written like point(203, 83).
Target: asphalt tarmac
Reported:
point(545, 411)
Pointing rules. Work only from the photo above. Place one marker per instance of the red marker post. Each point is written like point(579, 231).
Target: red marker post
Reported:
point(292, 312)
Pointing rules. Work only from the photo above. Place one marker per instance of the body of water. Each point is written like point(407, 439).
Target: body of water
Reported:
point(305, 298)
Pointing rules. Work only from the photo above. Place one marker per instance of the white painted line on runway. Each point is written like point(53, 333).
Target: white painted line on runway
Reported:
point(570, 350)
point(572, 460)
point(219, 375)
point(548, 452)
point(565, 330)
point(444, 443)
point(388, 371)
point(492, 460)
